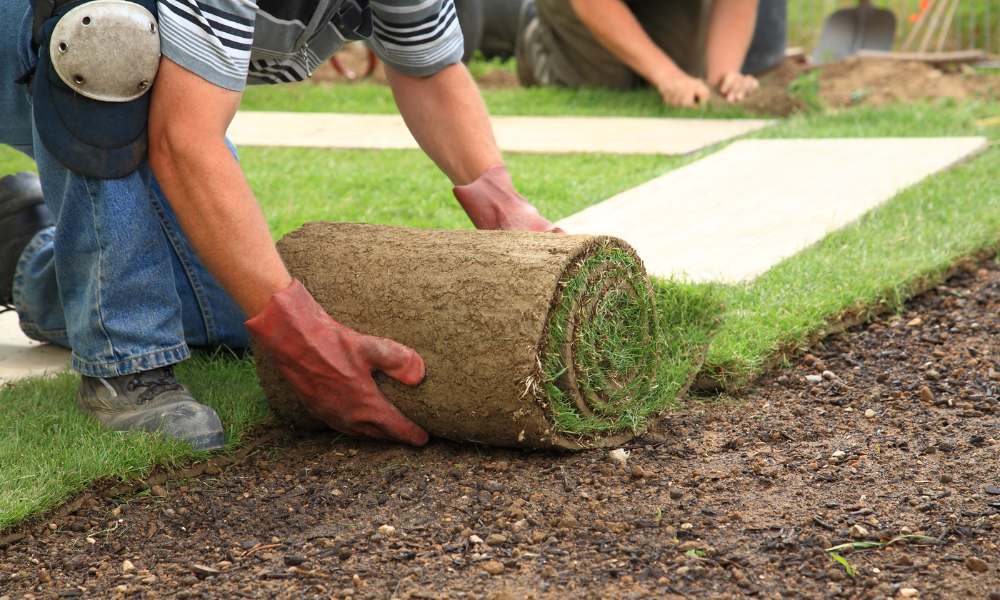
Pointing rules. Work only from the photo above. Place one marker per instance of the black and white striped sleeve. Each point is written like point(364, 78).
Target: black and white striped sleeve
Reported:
point(210, 38)
point(417, 37)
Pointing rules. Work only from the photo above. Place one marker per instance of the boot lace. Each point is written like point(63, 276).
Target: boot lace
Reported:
point(153, 383)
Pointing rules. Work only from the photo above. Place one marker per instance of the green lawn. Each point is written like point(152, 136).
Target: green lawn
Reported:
point(48, 451)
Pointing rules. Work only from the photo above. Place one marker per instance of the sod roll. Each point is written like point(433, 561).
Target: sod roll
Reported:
point(530, 340)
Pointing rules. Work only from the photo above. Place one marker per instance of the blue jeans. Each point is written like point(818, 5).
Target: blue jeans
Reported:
point(115, 280)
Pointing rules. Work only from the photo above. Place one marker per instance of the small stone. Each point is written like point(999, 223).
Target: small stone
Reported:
point(687, 526)
point(858, 532)
point(619, 456)
point(495, 539)
point(837, 456)
point(387, 530)
point(932, 375)
point(116, 511)
point(53, 526)
point(91, 540)
point(676, 493)
point(814, 378)
point(829, 375)
point(203, 571)
point(493, 567)
point(212, 469)
point(127, 566)
point(914, 322)
point(946, 478)
point(869, 414)
point(976, 565)
point(992, 490)
point(640, 473)
point(927, 396)
point(294, 560)
point(159, 491)
point(475, 539)
point(537, 537)
point(519, 525)
point(121, 589)
point(149, 579)
point(908, 593)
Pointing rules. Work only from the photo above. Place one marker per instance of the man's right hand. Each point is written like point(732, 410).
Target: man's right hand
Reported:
point(331, 366)
point(683, 91)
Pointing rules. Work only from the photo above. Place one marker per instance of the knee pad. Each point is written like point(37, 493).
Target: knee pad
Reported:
point(97, 60)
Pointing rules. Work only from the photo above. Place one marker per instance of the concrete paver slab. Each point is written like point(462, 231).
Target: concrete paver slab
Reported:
point(22, 357)
point(733, 215)
point(555, 135)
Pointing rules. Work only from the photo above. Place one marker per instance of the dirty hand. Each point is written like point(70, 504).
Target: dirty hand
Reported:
point(684, 91)
point(492, 203)
point(331, 366)
point(736, 87)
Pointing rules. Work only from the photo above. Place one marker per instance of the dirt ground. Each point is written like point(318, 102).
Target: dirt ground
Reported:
point(886, 430)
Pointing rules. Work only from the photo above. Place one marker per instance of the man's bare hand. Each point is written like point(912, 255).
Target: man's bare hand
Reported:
point(683, 91)
point(736, 87)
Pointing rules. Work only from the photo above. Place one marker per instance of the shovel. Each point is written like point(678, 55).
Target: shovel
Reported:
point(851, 29)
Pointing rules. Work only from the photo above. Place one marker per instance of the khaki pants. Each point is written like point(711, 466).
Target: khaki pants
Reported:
point(558, 49)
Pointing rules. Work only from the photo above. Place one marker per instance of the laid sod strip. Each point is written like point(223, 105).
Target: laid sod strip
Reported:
point(530, 340)
point(374, 98)
point(49, 450)
point(876, 264)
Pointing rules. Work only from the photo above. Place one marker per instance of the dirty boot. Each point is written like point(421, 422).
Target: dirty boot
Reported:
point(22, 215)
point(151, 401)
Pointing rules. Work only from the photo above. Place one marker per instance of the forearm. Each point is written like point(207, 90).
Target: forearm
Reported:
point(616, 28)
point(217, 211)
point(730, 30)
point(449, 120)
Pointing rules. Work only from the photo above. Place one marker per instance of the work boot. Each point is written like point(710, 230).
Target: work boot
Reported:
point(22, 214)
point(151, 401)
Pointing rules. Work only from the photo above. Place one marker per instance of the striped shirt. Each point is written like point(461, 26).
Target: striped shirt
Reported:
point(231, 43)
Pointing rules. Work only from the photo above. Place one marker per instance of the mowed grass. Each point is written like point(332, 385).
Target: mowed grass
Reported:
point(48, 451)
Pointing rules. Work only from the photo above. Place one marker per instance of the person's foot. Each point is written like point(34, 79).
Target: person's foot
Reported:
point(22, 215)
point(151, 401)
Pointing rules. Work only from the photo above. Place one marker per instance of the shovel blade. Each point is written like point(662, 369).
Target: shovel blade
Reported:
point(851, 29)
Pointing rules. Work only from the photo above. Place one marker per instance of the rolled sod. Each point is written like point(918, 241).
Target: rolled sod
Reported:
point(530, 340)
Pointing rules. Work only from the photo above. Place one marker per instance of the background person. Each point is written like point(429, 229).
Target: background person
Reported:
point(683, 48)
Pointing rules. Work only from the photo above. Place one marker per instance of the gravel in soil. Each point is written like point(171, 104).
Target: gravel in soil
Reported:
point(897, 436)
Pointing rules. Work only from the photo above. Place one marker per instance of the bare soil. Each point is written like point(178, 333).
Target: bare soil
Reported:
point(868, 82)
point(728, 498)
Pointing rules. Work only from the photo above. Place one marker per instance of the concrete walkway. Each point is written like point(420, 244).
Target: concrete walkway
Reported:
point(552, 135)
point(733, 215)
point(21, 357)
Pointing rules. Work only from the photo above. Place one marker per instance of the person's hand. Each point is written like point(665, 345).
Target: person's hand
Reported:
point(492, 203)
point(683, 91)
point(736, 87)
point(331, 366)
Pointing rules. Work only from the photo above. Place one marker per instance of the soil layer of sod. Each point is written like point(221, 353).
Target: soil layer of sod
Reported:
point(893, 438)
point(530, 340)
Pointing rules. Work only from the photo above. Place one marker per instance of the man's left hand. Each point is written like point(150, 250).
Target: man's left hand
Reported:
point(736, 87)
